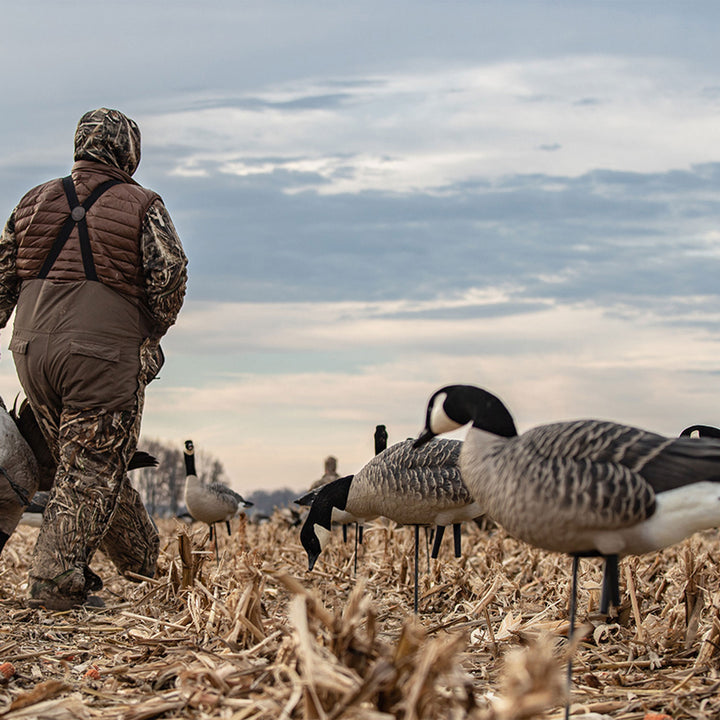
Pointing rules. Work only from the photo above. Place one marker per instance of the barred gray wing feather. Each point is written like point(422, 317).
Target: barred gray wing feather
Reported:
point(578, 470)
point(225, 495)
point(428, 475)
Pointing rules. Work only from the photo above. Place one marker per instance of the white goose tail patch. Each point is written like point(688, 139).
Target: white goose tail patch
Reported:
point(679, 514)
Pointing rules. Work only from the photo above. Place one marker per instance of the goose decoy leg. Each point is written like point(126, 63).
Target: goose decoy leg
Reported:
point(610, 584)
point(428, 535)
point(456, 538)
point(571, 630)
point(439, 532)
point(360, 531)
point(344, 532)
point(213, 532)
point(227, 525)
point(417, 557)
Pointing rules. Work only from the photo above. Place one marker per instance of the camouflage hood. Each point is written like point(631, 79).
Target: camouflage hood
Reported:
point(109, 137)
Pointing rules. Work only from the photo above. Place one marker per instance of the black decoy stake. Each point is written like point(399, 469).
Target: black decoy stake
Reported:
point(571, 631)
point(610, 595)
point(417, 556)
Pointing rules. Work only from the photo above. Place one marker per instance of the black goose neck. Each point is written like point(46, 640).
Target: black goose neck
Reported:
point(190, 464)
point(332, 495)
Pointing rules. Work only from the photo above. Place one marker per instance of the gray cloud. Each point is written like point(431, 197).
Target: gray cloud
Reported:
point(598, 238)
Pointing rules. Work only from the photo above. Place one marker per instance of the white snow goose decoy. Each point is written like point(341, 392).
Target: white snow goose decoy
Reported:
point(211, 503)
point(587, 487)
point(401, 484)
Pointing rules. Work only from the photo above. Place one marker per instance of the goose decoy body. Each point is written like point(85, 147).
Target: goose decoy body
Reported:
point(211, 503)
point(409, 487)
point(585, 487)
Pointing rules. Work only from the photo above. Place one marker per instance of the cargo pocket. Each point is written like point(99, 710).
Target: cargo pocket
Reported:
point(93, 376)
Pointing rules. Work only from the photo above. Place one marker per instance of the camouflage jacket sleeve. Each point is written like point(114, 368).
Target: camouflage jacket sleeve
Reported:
point(9, 286)
point(165, 268)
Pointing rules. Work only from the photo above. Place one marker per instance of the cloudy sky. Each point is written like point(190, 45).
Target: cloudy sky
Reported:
point(378, 198)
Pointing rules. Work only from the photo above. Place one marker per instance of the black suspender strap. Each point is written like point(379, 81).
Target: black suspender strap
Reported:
point(77, 217)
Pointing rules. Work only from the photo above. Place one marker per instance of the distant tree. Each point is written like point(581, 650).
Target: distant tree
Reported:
point(266, 501)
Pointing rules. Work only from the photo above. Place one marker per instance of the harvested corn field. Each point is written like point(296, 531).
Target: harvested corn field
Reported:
point(259, 637)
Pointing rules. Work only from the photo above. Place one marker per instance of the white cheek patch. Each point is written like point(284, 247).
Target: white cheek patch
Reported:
point(439, 421)
point(323, 535)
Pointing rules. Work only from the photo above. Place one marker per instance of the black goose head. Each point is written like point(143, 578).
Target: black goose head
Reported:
point(453, 406)
point(319, 519)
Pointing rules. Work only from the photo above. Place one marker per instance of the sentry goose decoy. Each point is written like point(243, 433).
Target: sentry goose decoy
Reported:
point(587, 488)
point(409, 487)
point(211, 503)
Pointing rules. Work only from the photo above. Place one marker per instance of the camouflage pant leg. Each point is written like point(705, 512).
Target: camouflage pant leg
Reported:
point(131, 540)
point(93, 449)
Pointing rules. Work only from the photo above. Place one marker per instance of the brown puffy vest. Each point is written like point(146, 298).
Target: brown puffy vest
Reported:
point(114, 225)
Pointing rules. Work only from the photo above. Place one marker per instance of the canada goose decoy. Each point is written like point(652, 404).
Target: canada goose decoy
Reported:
point(409, 487)
point(211, 503)
point(586, 488)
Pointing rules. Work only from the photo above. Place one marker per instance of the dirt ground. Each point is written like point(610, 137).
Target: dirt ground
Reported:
point(258, 636)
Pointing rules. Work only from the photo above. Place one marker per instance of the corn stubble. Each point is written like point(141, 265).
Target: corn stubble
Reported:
point(259, 637)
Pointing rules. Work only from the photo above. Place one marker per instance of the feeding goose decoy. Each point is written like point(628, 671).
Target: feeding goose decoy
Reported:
point(211, 503)
point(586, 488)
point(409, 487)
